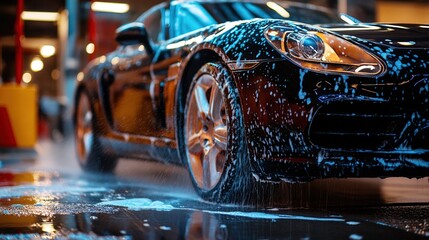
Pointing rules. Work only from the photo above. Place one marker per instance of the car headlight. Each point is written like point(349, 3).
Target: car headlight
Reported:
point(323, 52)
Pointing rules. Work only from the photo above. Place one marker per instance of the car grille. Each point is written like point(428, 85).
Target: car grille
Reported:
point(357, 125)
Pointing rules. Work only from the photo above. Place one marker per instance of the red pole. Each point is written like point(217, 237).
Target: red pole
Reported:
point(92, 30)
point(19, 33)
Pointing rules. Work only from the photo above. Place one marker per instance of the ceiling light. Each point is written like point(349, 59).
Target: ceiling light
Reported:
point(40, 16)
point(90, 48)
point(26, 77)
point(110, 7)
point(36, 65)
point(47, 51)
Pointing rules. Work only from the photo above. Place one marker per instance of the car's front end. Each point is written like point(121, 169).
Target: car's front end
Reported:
point(334, 100)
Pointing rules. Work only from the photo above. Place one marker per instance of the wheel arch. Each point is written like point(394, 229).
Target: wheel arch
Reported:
point(202, 54)
point(90, 88)
point(236, 175)
point(95, 156)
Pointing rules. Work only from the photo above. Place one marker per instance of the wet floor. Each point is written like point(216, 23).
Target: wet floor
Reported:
point(48, 197)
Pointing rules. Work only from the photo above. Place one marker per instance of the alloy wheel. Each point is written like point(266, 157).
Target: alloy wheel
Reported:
point(206, 132)
point(84, 129)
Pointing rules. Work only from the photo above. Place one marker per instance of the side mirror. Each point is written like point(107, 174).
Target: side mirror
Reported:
point(133, 33)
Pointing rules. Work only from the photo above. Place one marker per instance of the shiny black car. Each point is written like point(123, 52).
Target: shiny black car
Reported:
point(249, 91)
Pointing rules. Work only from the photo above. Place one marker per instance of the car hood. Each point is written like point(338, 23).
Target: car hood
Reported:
point(396, 35)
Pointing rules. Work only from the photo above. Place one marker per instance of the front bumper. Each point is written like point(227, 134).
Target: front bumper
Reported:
point(317, 126)
point(343, 164)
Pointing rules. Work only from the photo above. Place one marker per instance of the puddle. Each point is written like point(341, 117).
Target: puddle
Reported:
point(52, 209)
point(71, 236)
point(32, 190)
point(137, 204)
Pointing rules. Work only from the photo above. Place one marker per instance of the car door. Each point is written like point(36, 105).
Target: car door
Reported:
point(130, 92)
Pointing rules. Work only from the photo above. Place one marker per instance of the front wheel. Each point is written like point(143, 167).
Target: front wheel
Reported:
point(213, 137)
point(90, 153)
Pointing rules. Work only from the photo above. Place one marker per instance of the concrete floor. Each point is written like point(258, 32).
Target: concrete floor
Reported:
point(396, 202)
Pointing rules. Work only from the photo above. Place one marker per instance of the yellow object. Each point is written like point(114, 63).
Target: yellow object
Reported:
point(21, 106)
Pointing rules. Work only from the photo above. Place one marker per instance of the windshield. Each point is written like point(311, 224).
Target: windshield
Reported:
point(195, 15)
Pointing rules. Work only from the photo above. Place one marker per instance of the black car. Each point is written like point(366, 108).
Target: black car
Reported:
point(250, 91)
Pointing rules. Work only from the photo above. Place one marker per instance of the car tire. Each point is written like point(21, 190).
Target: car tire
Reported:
point(90, 153)
point(213, 141)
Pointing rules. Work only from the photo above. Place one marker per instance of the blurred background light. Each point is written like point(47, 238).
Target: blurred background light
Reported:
point(90, 48)
point(26, 77)
point(114, 61)
point(36, 64)
point(80, 76)
point(110, 7)
point(39, 16)
point(47, 51)
point(55, 74)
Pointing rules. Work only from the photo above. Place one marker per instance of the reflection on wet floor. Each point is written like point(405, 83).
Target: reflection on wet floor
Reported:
point(51, 198)
point(60, 157)
point(321, 194)
point(49, 205)
point(12, 178)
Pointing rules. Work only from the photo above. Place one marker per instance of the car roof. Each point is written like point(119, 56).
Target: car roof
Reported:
point(167, 4)
point(287, 3)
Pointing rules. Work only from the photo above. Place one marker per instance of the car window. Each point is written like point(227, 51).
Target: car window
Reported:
point(195, 15)
point(154, 27)
point(192, 16)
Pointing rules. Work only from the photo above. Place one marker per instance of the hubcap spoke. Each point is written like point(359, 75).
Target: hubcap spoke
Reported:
point(211, 175)
point(216, 103)
point(202, 102)
point(221, 136)
point(194, 144)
